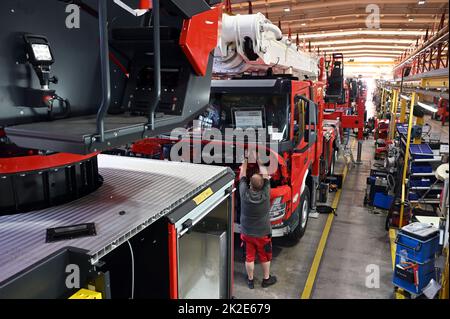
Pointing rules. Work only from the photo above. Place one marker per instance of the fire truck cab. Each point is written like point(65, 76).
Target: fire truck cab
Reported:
point(291, 119)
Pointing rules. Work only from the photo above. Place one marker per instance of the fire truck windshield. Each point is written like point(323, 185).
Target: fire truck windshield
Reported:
point(248, 110)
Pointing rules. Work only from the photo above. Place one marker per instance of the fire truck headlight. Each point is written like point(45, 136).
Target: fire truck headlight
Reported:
point(278, 209)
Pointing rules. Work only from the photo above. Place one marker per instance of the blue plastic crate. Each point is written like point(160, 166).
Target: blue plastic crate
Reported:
point(416, 249)
point(413, 196)
point(383, 201)
point(405, 279)
point(402, 129)
point(421, 182)
point(421, 151)
point(421, 168)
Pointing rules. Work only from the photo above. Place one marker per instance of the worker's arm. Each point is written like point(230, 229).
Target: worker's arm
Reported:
point(243, 187)
point(243, 172)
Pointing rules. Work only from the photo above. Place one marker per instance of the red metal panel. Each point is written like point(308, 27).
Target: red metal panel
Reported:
point(199, 37)
point(13, 165)
point(332, 116)
point(145, 4)
point(173, 262)
point(148, 147)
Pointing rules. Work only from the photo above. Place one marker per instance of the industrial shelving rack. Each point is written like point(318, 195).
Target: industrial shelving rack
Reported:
point(425, 194)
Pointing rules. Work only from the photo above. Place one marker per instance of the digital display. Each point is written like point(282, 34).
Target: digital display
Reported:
point(41, 52)
point(246, 119)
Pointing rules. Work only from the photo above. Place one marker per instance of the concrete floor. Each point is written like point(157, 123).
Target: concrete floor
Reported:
point(357, 240)
point(290, 264)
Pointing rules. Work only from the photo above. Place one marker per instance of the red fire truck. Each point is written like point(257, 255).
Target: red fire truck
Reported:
point(265, 81)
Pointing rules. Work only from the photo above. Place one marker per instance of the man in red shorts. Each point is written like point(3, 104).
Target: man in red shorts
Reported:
point(256, 230)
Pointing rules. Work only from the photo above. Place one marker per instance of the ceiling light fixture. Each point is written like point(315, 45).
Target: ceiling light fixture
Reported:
point(369, 47)
point(405, 97)
point(354, 51)
point(287, 9)
point(410, 19)
point(421, 2)
point(363, 41)
point(427, 107)
point(372, 32)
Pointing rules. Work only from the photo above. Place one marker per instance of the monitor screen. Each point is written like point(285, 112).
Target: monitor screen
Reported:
point(41, 52)
point(248, 118)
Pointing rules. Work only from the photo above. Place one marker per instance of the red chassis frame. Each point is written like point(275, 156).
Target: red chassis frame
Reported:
point(338, 111)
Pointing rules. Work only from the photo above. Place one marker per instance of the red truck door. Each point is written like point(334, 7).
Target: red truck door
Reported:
point(304, 139)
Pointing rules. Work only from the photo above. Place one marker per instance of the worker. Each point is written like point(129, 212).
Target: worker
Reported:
point(256, 230)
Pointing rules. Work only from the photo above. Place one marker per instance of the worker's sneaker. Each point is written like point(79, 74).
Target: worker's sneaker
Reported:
point(251, 283)
point(269, 281)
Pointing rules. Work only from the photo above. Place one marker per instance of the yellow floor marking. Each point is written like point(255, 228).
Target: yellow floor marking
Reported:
point(306, 294)
point(392, 235)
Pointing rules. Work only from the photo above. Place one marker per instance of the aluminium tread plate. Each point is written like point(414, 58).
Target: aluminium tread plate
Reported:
point(145, 189)
point(77, 129)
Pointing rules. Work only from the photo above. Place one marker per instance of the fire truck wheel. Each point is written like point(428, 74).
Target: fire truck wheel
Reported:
point(303, 213)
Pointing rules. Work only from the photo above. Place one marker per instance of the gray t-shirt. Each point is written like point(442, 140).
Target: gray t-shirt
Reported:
point(255, 207)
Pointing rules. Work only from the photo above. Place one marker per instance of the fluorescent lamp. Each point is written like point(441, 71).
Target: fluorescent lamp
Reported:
point(361, 31)
point(287, 9)
point(405, 97)
point(421, 2)
point(427, 107)
point(364, 40)
point(352, 50)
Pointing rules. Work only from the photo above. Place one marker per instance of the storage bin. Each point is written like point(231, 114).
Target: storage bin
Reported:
point(421, 182)
point(413, 196)
point(383, 201)
point(413, 280)
point(421, 168)
point(421, 151)
point(419, 250)
point(402, 129)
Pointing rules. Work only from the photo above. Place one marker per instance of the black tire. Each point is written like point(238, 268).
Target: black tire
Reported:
point(296, 234)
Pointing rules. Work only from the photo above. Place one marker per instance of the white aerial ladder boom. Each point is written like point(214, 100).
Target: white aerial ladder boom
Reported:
point(252, 44)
